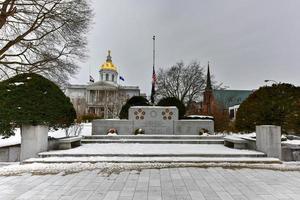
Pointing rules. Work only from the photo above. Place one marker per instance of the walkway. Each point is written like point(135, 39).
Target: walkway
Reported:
point(154, 184)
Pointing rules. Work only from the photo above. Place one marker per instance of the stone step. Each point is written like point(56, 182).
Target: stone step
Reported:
point(157, 159)
point(117, 137)
point(46, 154)
point(125, 150)
point(155, 141)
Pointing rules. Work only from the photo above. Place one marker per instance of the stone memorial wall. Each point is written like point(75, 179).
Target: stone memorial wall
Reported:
point(154, 120)
point(101, 126)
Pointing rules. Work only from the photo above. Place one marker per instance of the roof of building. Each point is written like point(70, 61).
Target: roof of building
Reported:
point(75, 86)
point(228, 98)
point(108, 65)
point(102, 85)
point(208, 80)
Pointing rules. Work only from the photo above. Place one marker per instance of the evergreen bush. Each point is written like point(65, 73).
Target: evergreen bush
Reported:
point(31, 99)
point(173, 101)
point(89, 118)
point(278, 104)
point(133, 101)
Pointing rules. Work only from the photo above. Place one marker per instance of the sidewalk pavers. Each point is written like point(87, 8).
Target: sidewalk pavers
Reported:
point(167, 183)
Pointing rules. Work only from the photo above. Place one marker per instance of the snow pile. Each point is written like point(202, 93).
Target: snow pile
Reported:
point(108, 168)
point(112, 134)
point(17, 83)
point(294, 142)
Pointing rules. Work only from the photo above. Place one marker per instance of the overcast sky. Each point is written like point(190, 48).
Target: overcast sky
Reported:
point(245, 41)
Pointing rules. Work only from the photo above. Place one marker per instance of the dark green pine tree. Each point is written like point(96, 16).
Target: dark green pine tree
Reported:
point(133, 101)
point(173, 101)
point(275, 105)
point(31, 99)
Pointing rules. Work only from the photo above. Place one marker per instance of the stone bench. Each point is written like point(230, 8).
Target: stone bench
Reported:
point(68, 143)
point(235, 142)
point(290, 151)
point(251, 142)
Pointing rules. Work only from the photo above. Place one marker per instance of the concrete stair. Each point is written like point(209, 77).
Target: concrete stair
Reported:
point(157, 159)
point(153, 149)
point(154, 139)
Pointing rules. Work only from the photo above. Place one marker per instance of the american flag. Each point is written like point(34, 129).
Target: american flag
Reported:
point(92, 79)
point(153, 77)
point(153, 85)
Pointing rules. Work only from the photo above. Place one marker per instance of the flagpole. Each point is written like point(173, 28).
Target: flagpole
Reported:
point(89, 73)
point(119, 82)
point(153, 51)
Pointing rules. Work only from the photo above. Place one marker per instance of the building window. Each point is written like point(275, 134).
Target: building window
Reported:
point(231, 114)
point(102, 78)
point(113, 78)
point(106, 77)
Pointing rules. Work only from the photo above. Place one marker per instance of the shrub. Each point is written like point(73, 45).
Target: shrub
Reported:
point(173, 101)
point(292, 121)
point(74, 130)
point(271, 105)
point(221, 120)
point(31, 99)
point(133, 101)
point(89, 117)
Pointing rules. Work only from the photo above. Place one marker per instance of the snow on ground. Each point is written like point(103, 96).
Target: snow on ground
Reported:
point(13, 140)
point(154, 149)
point(16, 139)
point(295, 142)
point(40, 169)
point(249, 135)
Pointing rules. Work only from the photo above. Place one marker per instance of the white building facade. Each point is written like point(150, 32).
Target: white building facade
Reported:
point(103, 98)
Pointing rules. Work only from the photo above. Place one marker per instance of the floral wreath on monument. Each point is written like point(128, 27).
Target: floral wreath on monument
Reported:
point(112, 131)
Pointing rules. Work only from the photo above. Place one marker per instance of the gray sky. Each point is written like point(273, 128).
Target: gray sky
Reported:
point(246, 41)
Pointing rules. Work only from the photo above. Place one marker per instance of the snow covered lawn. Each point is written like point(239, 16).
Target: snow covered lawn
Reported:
point(16, 139)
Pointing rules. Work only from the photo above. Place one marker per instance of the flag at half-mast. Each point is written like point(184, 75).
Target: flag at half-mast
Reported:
point(92, 80)
point(153, 74)
point(153, 85)
point(121, 78)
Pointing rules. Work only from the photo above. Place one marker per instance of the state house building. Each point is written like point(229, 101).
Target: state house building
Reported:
point(103, 98)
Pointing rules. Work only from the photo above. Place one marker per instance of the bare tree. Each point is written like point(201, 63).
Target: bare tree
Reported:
point(185, 82)
point(43, 36)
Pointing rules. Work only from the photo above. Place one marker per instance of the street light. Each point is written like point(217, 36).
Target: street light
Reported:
point(266, 81)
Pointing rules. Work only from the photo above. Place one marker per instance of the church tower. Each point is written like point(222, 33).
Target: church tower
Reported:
point(208, 95)
point(108, 71)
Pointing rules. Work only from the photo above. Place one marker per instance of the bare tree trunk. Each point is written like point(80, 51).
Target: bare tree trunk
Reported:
point(8, 9)
point(43, 36)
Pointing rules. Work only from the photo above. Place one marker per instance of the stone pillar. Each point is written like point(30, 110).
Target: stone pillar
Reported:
point(34, 139)
point(268, 140)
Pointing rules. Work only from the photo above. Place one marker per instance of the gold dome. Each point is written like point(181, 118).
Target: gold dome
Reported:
point(108, 65)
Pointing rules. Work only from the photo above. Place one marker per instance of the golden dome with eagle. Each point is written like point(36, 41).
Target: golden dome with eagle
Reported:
point(108, 65)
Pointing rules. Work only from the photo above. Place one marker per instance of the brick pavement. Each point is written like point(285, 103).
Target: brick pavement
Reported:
point(155, 184)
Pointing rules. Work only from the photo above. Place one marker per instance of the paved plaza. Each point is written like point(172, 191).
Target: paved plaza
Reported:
point(168, 184)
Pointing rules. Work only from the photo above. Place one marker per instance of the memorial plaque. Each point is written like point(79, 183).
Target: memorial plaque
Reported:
point(154, 119)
